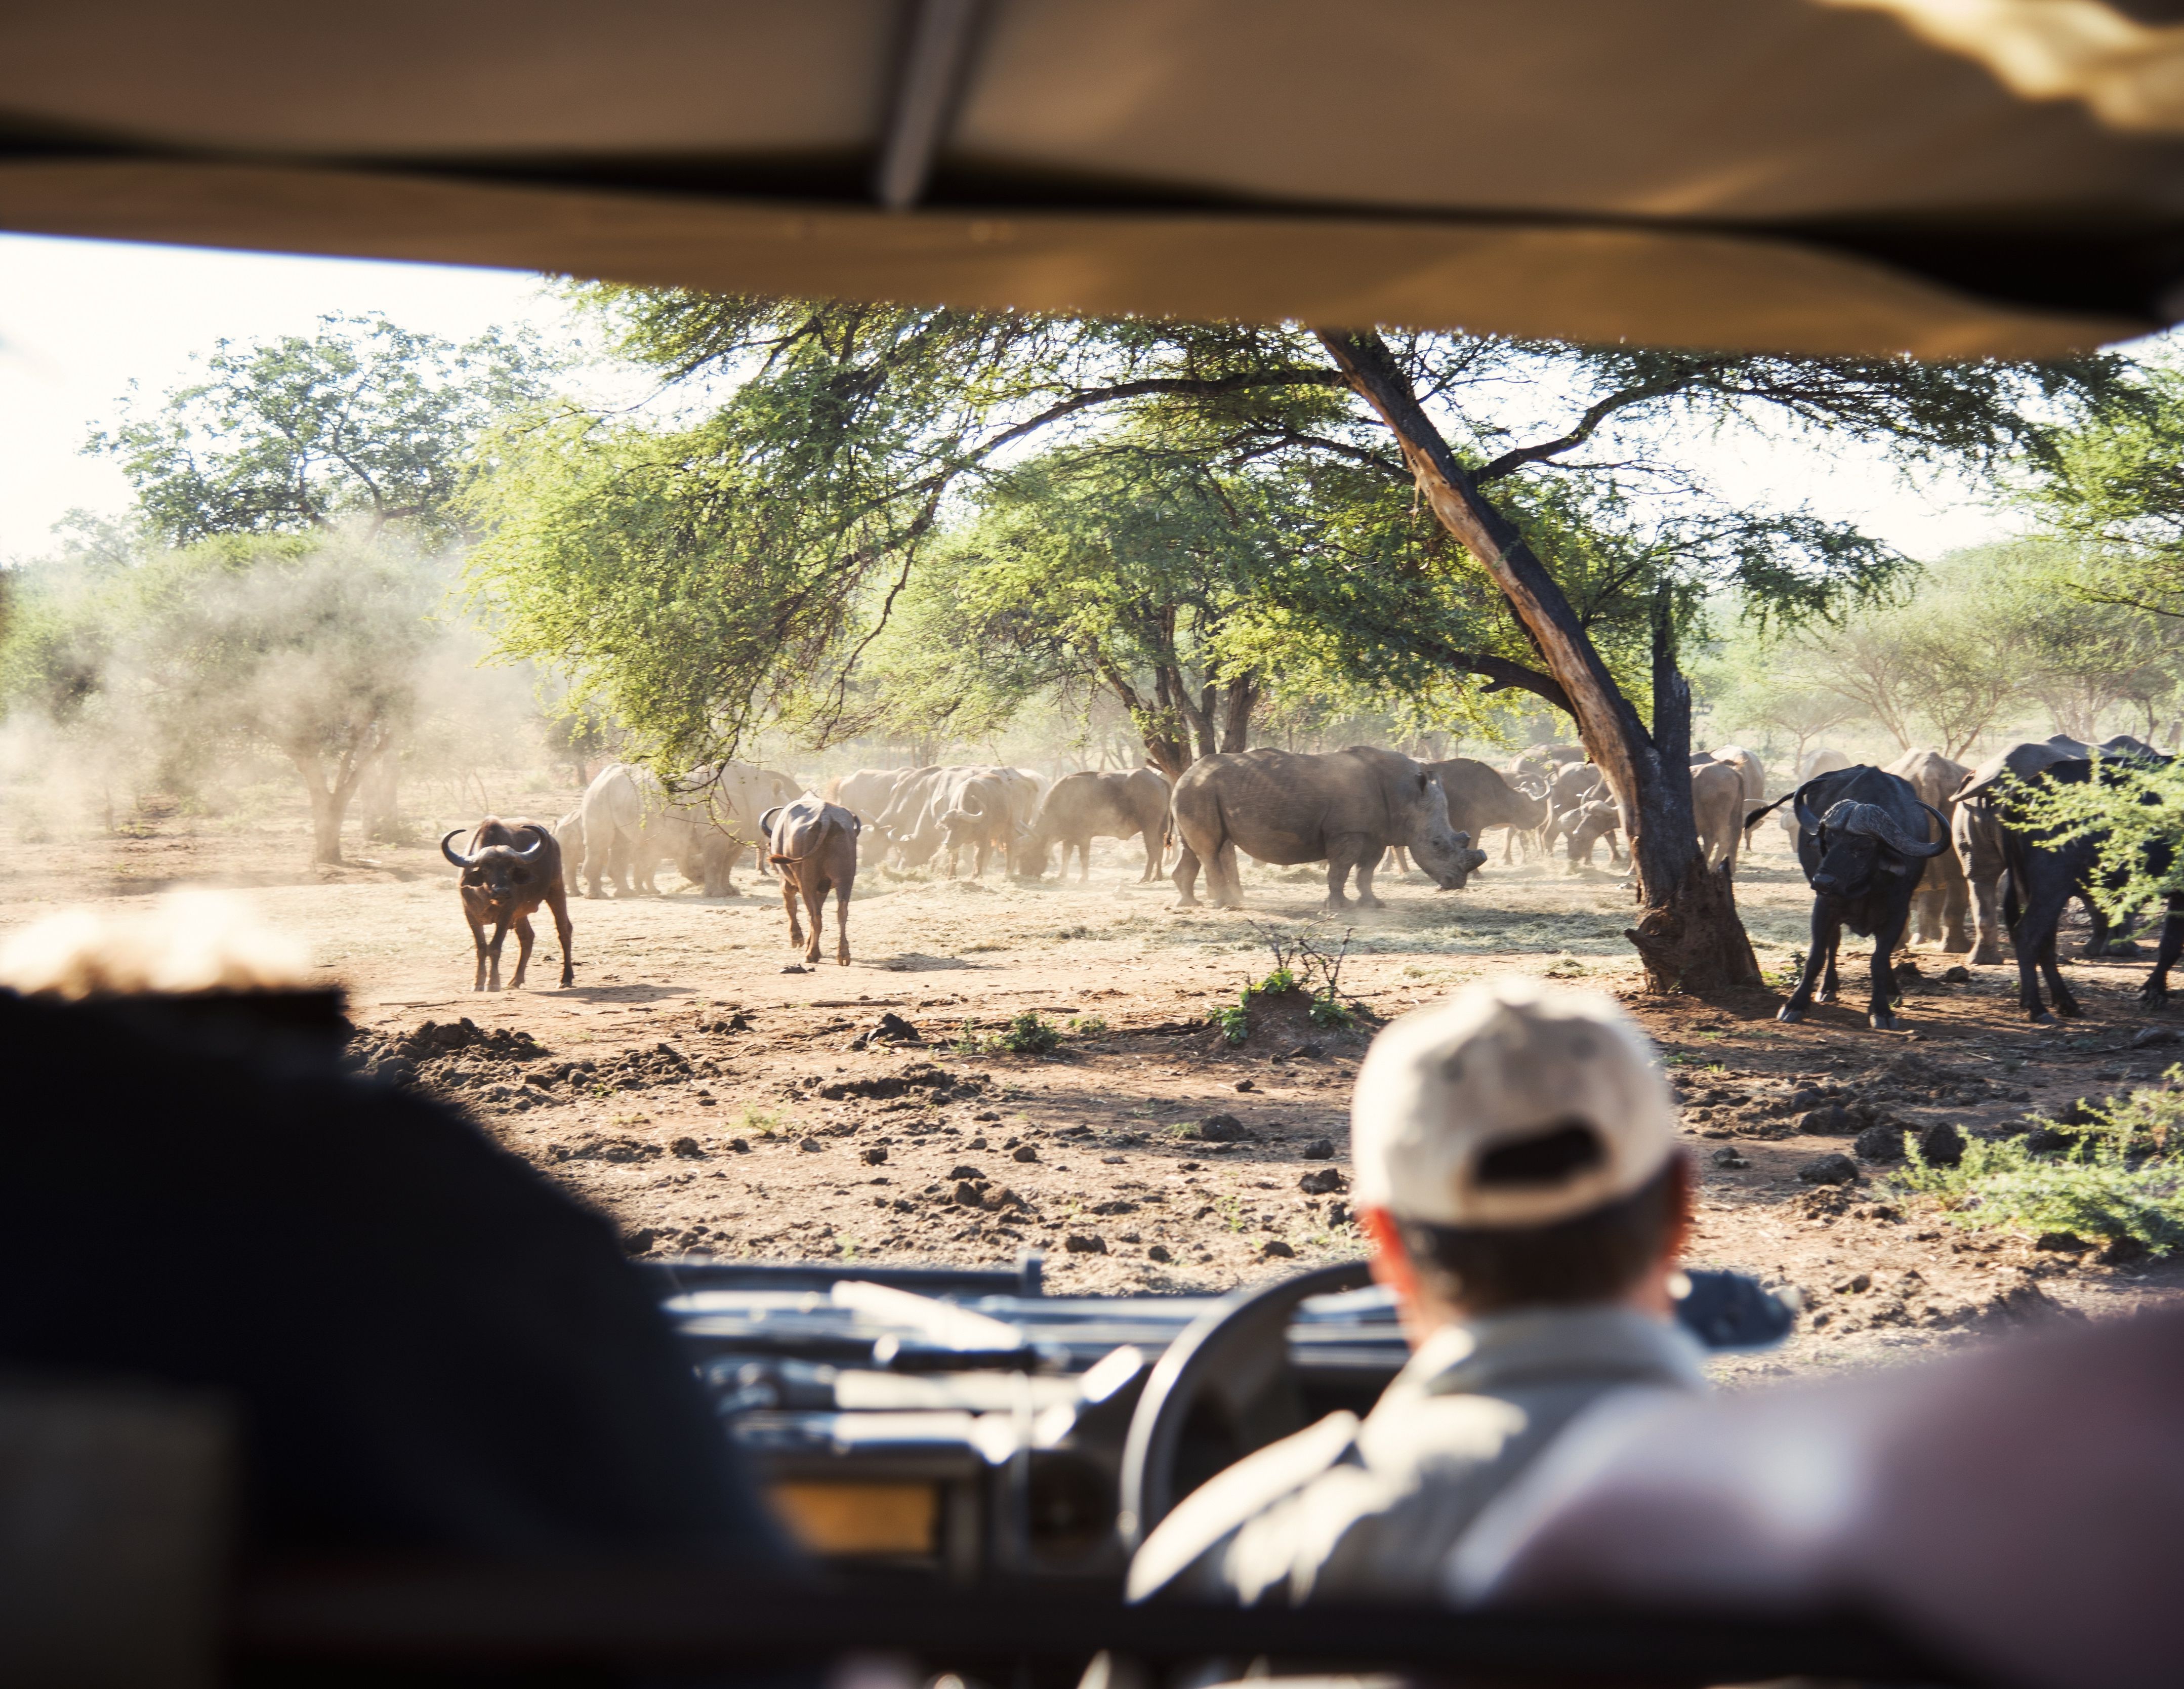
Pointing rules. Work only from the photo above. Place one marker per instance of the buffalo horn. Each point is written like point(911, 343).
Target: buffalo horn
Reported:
point(1806, 819)
point(1935, 849)
point(1876, 822)
point(538, 845)
point(766, 821)
point(456, 856)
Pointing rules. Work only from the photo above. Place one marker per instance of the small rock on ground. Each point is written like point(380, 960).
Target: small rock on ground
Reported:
point(1835, 1169)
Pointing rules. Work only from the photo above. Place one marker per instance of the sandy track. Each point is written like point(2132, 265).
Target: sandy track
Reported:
point(698, 1041)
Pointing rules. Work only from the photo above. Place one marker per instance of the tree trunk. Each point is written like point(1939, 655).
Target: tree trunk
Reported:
point(1236, 717)
point(329, 797)
point(329, 802)
point(379, 799)
point(1688, 934)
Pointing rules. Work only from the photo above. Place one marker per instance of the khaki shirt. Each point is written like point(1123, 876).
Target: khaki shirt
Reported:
point(1364, 1510)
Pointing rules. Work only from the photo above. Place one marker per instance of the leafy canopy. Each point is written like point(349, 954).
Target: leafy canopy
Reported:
point(362, 419)
point(705, 579)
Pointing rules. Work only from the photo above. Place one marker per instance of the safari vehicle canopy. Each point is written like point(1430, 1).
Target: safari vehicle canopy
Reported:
point(1944, 179)
point(1823, 176)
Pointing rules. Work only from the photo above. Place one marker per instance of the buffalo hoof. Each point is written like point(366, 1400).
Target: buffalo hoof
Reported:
point(2041, 1018)
point(1789, 1012)
point(2069, 1011)
point(2154, 996)
point(1824, 997)
point(1883, 1021)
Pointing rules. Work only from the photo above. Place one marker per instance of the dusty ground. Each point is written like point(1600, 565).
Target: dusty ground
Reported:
point(705, 1094)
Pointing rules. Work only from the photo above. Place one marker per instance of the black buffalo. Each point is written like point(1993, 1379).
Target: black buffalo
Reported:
point(1863, 839)
point(503, 883)
point(2044, 877)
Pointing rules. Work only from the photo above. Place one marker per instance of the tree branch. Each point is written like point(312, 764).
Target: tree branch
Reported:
point(1514, 460)
point(1178, 386)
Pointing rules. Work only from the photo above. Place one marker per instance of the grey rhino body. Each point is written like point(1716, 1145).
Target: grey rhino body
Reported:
point(1083, 807)
point(1718, 810)
point(1345, 808)
point(1939, 906)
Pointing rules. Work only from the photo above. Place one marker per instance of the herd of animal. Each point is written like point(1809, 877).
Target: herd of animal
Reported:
point(1924, 846)
point(1917, 845)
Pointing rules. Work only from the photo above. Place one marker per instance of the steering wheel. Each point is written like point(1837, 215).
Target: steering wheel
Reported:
point(1236, 1356)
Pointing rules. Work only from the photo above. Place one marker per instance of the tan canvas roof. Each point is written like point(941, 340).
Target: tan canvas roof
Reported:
point(1944, 177)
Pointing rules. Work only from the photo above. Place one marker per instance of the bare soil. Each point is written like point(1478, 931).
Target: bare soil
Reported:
point(713, 1097)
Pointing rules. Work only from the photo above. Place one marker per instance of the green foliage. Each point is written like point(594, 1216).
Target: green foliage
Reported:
point(362, 418)
point(1234, 1019)
point(1088, 1026)
point(2109, 487)
point(2134, 810)
point(706, 579)
point(1030, 1034)
point(1986, 633)
point(2124, 1177)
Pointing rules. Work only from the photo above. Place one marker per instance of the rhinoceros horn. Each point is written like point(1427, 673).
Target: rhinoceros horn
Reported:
point(456, 856)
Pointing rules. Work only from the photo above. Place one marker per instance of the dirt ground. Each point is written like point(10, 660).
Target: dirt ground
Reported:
point(704, 1091)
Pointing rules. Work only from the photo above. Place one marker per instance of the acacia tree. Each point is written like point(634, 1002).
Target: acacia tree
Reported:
point(364, 422)
point(364, 426)
point(310, 650)
point(1107, 570)
point(863, 419)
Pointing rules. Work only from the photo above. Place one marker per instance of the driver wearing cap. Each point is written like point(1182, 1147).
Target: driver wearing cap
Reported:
point(1518, 1175)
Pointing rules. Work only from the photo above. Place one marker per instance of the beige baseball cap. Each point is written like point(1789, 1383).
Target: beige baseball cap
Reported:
point(1511, 1105)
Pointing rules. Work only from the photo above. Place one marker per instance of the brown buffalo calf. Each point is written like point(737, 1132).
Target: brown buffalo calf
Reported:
point(502, 883)
point(814, 844)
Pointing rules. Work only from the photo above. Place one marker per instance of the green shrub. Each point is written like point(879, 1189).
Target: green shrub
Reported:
point(1089, 1026)
point(1326, 1011)
point(2123, 1177)
point(1234, 1019)
point(1030, 1034)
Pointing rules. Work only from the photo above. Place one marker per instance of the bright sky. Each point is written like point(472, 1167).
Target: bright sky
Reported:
point(80, 319)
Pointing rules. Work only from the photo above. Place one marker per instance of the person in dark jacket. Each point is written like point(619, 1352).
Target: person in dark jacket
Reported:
point(425, 1346)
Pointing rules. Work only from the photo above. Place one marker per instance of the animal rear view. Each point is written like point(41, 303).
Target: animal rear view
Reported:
point(504, 879)
point(813, 845)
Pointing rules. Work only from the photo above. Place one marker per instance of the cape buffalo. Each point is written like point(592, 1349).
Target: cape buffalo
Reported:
point(1583, 828)
point(2044, 877)
point(1861, 842)
point(927, 812)
point(1749, 769)
point(1975, 830)
point(866, 792)
point(503, 882)
point(1344, 809)
point(981, 820)
point(1083, 807)
point(814, 845)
